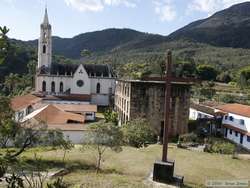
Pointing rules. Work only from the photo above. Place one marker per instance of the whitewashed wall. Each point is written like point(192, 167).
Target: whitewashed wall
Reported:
point(194, 114)
point(85, 89)
point(105, 84)
point(66, 80)
point(236, 139)
point(236, 121)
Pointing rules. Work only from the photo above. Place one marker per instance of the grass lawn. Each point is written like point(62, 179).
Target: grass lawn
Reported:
point(131, 167)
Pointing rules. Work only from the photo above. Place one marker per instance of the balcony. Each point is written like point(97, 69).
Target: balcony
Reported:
point(237, 123)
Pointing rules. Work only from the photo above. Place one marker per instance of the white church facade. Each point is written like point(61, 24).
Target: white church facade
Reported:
point(89, 83)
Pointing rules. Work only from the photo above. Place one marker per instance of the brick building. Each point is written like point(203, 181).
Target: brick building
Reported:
point(145, 99)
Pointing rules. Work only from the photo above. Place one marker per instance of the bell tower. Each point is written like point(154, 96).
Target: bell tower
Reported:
point(45, 43)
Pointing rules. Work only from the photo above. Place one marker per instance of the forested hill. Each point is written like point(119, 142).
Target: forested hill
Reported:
point(227, 28)
point(100, 42)
point(222, 40)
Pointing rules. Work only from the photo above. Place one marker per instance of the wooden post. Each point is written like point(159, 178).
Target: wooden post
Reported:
point(167, 106)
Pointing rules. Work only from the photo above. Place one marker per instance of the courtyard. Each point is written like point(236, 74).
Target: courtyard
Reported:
point(132, 167)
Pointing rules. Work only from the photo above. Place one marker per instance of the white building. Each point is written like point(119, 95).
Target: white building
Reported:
point(236, 123)
point(94, 83)
point(200, 111)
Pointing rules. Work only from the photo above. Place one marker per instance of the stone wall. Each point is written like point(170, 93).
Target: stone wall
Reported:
point(147, 100)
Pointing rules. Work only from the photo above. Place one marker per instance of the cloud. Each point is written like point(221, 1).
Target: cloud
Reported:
point(127, 3)
point(211, 6)
point(85, 5)
point(165, 9)
point(99, 5)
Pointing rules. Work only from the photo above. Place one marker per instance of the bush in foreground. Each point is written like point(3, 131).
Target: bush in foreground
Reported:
point(138, 133)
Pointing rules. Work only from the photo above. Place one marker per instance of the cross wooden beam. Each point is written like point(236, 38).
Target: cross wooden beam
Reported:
point(167, 105)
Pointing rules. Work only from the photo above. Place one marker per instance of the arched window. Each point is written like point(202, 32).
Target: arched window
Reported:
point(53, 87)
point(98, 88)
point(44, 49)
point(61, 87)
point(44, 86)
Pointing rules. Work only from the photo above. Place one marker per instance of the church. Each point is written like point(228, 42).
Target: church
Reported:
point(71, 83)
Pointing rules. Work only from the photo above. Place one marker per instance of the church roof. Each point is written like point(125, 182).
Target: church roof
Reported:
point(69, 69)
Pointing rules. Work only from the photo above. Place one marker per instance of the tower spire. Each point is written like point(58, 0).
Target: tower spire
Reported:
point(46, 18)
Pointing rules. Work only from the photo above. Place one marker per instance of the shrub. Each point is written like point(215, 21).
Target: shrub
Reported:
point(110, 116)
point(190, 137)
point(59, 183)
point(138, 133)
point(220, 146)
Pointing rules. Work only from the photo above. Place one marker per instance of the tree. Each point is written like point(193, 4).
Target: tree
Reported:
point(138, 133)
point(12, 82)
point(100, 137)
point(4, 43)
point(244, 77)
point(185, 69)
point(206, 72)
point(8, 126)
point(204, 91)
point(110, 116)
point(21, 136)
point(224, 77)
point(86, 53)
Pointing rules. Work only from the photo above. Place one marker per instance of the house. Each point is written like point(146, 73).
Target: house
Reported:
point(91, 83)
point(146, 98)
point(24, 105)
point(70, 124)
point(88, 111)
point(200, 111)
point(236, 123)
point(69, 118)
point(208, 120)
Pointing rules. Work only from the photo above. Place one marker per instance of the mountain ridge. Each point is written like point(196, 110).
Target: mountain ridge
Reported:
point(227, 28)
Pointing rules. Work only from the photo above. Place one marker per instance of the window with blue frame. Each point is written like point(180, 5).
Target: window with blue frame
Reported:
point(242, 122)
point(248, 138)
point(231, 118)
point(236, 133)
point(226, 117)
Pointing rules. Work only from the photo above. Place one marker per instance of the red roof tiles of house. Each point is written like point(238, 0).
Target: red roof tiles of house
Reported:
point(53, 115)
point(21, 102)
point(238, 109)
point(77, 107)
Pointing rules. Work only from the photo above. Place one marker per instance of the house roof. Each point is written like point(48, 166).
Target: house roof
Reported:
point(21, 102)
point(50, 114)
point(69, 69)
point(70, 97)
point(203, 108)
point(77, 108)
point(238, 109)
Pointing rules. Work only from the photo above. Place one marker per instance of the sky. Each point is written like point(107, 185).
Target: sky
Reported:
point(72, 17)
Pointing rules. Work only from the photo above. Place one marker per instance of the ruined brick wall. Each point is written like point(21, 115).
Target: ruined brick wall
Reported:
point(147, 100)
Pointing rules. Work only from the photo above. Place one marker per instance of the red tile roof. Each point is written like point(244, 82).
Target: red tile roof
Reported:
point(77, 107)
point(53, 115)
point(21, 102)
point(238, 109)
